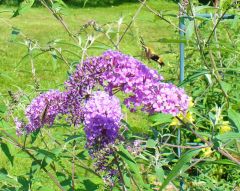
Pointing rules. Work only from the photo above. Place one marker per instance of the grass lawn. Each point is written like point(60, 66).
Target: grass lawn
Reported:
point(40, 25)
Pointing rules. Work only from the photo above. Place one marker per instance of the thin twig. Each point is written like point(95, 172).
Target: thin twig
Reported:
point(216, 25)
point(133, 19)
point(59, 18)
point(161, 17)
point(216, 75)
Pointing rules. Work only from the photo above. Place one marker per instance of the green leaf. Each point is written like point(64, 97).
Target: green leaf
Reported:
point(228, 136)
point(45, 155)
point(224, 162)
point(181, 166)
point(161, 117)
point(3, 108)
point(224, 4)
point(7, 153)
point(127, 181)
point(34, 135)
point(125, 154)
point(89, 185)
point(194, 76)
point(226, 86)
point(151, 143)
point(64, 180)
point(73, 137)
point(234, 116)
point(60, 2)
point(189, 29)
point(21, 154)
point(24, 6)
point(159, 173)
point(4, 75)
point(23, 181)
point(54, 60)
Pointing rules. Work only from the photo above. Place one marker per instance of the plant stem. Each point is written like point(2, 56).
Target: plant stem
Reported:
point(133, 19)
point(160, 16)
point(216, 25)
point(120, 173)
point(59, 18)
point(73, 166)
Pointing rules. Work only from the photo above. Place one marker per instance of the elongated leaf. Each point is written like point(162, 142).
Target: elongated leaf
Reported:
point(224, 162)
point(180, 167)
point(159, 173)
point(7, 153)
point(24, 6)
point(161, 118)
point(235, 118)
point(3, 108)
point(151, 143)
point(228, 136)
point(34, 136)
point(73, 137)
point(125, 154)
point(189, 29)
point(23, 181)
point(226, 86)
point(225, 3)
point(194, 76)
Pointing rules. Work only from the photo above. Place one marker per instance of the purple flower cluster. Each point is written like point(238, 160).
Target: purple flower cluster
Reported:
point(102, 116)
point(118, 72)
point(44, 109)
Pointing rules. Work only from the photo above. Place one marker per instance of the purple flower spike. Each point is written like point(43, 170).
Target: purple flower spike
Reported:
point(102, 116)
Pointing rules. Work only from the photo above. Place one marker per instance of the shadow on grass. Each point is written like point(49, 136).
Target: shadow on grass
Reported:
point(97, 3)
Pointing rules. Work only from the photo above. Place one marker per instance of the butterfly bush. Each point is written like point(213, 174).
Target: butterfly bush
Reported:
point(100, 111)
